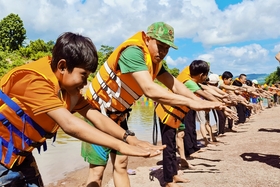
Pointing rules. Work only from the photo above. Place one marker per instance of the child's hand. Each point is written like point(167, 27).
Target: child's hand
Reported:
point(230, 113)
point(142, 149)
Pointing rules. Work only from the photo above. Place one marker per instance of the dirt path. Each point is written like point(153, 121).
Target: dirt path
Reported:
point(250, 157)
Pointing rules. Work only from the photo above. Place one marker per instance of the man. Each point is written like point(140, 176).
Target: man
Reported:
point(127, 75)
point(241, 108)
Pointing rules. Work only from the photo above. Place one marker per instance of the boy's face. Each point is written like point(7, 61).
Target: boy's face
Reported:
point(242, 79)
point(157, 49)
point(203, 77)
point(73, 82)
point(227, 81)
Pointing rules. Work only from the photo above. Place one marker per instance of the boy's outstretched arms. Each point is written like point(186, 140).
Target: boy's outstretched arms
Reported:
point(79, 129)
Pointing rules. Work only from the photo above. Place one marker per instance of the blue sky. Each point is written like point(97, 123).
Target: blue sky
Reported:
point(233, 35)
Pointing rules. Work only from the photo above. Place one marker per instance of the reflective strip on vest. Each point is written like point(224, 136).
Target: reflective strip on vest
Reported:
point(110, 92)
point(120, 83)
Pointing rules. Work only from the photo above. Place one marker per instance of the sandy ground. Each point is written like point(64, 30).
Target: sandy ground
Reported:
point(249, 157)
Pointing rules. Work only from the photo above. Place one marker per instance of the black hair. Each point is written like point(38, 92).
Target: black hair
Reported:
point(227, 75)
point(237, 83)
point(249, 83)
point(199, 66)
point(77, 50)
point(242, 75)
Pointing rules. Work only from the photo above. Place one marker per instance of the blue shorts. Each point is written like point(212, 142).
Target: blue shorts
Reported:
point(24, 175)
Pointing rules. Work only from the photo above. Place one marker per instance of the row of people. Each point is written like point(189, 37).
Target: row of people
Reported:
point(235, 94)
point(39, 97)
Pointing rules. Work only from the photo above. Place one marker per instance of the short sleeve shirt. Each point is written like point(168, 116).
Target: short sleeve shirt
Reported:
point(193, 86)
point(42, 99)
point(132, 60)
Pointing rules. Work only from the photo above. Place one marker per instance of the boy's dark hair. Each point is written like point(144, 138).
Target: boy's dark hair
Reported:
point(242, 75)
point(77, 50)
point(227, 75)
point(249, 83)
point(199, 66)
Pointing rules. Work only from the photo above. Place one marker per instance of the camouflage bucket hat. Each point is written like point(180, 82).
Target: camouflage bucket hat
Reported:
point(162, 32)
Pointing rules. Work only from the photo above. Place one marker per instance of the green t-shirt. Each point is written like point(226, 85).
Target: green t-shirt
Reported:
point(193, 86)
point(132, 60)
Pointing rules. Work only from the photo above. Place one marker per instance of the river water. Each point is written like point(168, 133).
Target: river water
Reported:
point(63, 156)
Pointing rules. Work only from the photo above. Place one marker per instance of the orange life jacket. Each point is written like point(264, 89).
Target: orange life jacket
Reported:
point(173, 115)
point(114, 91)
point(21, 131)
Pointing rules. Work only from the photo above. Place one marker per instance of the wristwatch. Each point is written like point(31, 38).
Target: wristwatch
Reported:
point(126, 134)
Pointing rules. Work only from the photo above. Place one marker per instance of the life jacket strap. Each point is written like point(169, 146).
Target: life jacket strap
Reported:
point(14, 131)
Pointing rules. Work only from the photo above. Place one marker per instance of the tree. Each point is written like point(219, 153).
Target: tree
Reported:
point(12, 32)
point(273, 77)
point(103, 54)
point(37, 49)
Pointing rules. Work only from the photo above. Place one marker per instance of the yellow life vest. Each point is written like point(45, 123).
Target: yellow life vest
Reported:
point(114, 91)
point(173, 115)
point(20, 130)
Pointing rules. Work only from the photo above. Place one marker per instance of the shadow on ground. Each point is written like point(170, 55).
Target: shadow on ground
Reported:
point(272, 160)
point(269, 130)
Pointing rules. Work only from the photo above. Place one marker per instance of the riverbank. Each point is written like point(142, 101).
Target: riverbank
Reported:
point(249, 157)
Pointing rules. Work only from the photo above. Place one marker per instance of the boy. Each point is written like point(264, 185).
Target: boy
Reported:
point(44, 95)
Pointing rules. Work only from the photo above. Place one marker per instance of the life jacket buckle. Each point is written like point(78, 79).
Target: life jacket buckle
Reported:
point(36, 144)
point(24, 153)
point(20, 112)
point(5, 122)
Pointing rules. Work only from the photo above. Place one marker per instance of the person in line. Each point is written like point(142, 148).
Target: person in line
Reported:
point(241, 108)
point(128, 74)
point(38, 98)
point(198, 72)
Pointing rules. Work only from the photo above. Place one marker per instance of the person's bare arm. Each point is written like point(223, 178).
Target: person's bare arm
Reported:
point(277, 57)
point(206, 95)
point(181, 95)
point(78, 128)
point(109, 126)
point(217, 90)
point(211, 89)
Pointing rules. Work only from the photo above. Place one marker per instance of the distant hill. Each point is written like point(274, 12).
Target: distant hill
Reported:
point(259, 77)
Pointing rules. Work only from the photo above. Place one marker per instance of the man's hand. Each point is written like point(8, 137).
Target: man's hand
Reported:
point(277, 56)
point(230, 113)
point(133, 150)
point(230, 99)
point(154, 150)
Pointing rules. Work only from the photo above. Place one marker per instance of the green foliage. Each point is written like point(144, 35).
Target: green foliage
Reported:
point(37, 49)
point(9, 60)
point(273, 77)
point(103, 54)
point(12, 32)
point(174, 71)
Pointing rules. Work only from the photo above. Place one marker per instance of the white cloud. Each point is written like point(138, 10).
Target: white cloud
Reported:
point(276, 48)
point(114, 20)
point(179, 61)
point(251, 58)
point(109, 22)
